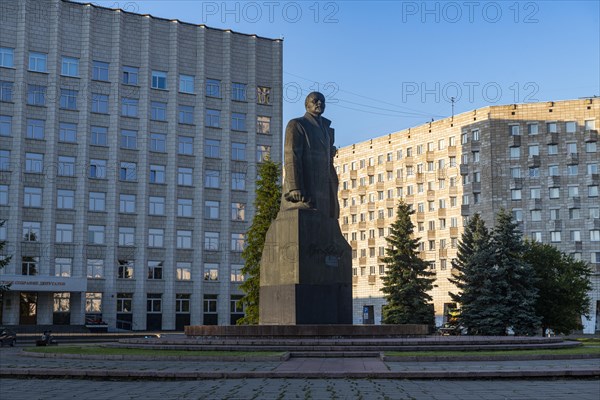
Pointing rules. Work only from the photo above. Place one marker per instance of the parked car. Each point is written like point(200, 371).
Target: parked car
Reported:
point(7, 337)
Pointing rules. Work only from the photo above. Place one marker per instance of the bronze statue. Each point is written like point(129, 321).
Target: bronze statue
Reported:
point(310, 180)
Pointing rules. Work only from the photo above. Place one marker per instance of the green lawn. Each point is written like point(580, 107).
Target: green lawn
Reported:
point(570, 351)
point(99, 350)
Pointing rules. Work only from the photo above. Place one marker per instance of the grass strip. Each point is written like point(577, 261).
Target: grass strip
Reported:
point(98, 350)
point(570, 351)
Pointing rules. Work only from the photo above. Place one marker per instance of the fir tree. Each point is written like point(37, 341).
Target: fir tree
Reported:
point(407, 279)
point(474, 280)
point(563, 286)
point(4, 261)
point(268, 198)
point(513, 278)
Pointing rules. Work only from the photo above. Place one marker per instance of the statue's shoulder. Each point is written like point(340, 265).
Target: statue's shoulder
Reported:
point(296, 122)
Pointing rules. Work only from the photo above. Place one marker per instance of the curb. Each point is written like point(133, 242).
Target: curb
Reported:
point(40, 373)
point(521, 357)
point(115, 357)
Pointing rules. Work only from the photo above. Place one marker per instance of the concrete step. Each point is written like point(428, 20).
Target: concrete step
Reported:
point(335, 354)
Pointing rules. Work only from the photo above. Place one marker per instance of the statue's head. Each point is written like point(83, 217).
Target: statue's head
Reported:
point(315, 103)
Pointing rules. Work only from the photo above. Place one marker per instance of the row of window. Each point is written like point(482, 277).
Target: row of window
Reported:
point(156, 236)
point(63, 266)
point(534, 149)
point(554, 192)
point(551, 127)
point(38, 62)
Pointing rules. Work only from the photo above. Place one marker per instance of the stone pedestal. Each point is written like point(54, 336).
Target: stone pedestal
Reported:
point(305, 272)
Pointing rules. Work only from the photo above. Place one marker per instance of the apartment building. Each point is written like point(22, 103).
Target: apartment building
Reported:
point(129, 146)
point(539, 160)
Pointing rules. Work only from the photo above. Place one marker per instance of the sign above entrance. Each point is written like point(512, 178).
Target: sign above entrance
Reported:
point(26, 283)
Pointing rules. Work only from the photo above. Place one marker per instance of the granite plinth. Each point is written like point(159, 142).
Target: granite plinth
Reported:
point(306, 271)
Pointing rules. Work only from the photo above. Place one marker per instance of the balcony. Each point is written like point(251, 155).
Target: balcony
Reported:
point(430, 156)
point(390, 203)
point(345, 194)
point(345, 227)
point(371, 206)
point(408, 160)
point(443, 253)
point(431, 195)
point(574, 202)
point(420, 177)
point(389, 166)
point(552, 138)
point(514, 141)
point(453, 231)
point(592, 179)
point(353, 174)
point(475, 145)
point(372, 279)
point(355, 280)
point(380, 185)
point(399, 182)
point(535, 204)
point(578, 246)
point(451, 150)
point(362, 225)
point(533, 161)
point(381, 223)
point(362, 261)
point(362, 190)
point(371, 242)
point(464, 169)
point(420, 216)
point(594, 223)
point(370, 170)
point(441, 212)
point(554, 180)
point(354, 244)
point(464, 210)
point(591, 136)
point(431, 234)
point(353, 209)
point(452, 190)
point(476, 186)
point(516, 183)
point(572, 159)
point(555, 225)
point(441, 173)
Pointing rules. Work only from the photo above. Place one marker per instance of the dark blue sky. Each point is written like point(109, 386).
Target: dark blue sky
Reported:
point(390, 65)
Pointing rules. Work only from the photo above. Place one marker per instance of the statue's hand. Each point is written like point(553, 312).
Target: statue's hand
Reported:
point(295, 196)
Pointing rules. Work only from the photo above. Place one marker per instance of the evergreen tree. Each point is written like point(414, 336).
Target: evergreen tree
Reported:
point(268, 198)
point(563, 285)
point(513, 278)
point(4, 261)
point(474, 280)
point(407, 279)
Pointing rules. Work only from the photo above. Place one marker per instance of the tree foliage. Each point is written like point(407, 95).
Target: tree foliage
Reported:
point(563, 286)
point(4, 261)
point(407, 280)
point(268, 198)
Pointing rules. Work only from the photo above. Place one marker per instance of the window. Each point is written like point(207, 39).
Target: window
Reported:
point(34, 162)
point(95, 269)
point(573, 191)
point(126, 236)
point(238, 211)
point(100, 71)
point(238, 181)
point(574, 213)
point(184, 176)
point(211, 178)
point(5, 125)
point(475, 134)
point(536, 215)
point(65, 199)
point(211, 241)
point(554, 192)
point(186, 114)
point(534, 172)
point(185, 145)
point(212, 118)
point(575, 236)
point(589, 125)
point(68, 99)
point(124, 301)
point(159, 80)
point(182, 303)
point(532, 129)
point(156, 237)
point(211, 209)
point(156, 205)
point(155, 269)
point(536, 236)
point(35, 129)
point(128, 139)
point(31, 231)
point(97, 201)
point(5, 160)
point(535, 193)
point(555, 236)
point(67, 132)
point(515, 152)
point(212, 148)
point(157, 174)
point(572, 170)
point(238, 91)
point(128, 171)
point(236, 273)
point(130, 75)
point(592, 169)
point(263, 125)
point(184, 239)
point(129, 107)
point(262, 152)
point(595, 235)
point(183, 271)
point(237, 242)
point(551, 127)
point(184, 207)
point(32, 197)
point(37, 62)
point(515, 172)
point(158, 111)
point(594, 212)
point(36, 95)
point(158, 142)
point(554, 214)
point(66, 166)
point(125, 269)
point(553, 170)
point(186, 83)
point(238, 121)
point(571, 126)
point(96, 234)
point(98, 169)
point(593, 191)
point(99, 103)
point(64, 233)
point(534, 150)
point(464, 138)
point(552, 149)
point(6, 91)
point(238, 151)
point(571, 148)
point(213, 88)
point(29, 265)
point(70, 66)
point(590, 147)
point(127, 203)
point(263, 95)
point(7, 56)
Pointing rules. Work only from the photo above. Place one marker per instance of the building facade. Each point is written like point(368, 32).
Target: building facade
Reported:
point(539, 160)
point(128, 153)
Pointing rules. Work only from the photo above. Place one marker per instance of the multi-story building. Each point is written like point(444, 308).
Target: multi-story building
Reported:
point(539, 160)
point(128, 153)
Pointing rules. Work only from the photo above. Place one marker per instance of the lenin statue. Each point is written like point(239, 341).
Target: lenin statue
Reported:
point(306, 267)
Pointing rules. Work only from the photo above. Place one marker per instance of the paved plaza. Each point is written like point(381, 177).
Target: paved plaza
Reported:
point(265, 389)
